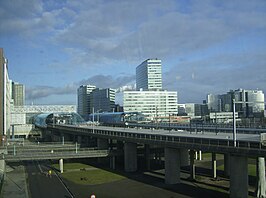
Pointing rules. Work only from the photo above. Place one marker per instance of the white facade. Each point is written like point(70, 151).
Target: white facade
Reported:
point(151, 103)
point(222, 117)
point(6, 98)
point(149, 75)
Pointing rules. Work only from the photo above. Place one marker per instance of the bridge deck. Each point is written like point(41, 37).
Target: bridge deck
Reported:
point(247, 144)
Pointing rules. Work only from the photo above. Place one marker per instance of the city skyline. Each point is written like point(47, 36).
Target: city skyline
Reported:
point(205, 47)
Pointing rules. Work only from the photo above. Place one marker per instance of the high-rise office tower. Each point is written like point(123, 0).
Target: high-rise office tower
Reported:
point(102, 100)
point(84, 92)
point(149, 75)
point(149, 98)
point(5, 95)
point(18, 94)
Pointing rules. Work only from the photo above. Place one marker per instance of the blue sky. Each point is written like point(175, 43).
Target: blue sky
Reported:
point(206, 46)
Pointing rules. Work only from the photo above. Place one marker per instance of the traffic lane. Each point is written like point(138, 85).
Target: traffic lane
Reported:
point(41, 185)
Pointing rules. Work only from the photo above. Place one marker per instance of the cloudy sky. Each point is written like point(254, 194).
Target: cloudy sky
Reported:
point(207, 46)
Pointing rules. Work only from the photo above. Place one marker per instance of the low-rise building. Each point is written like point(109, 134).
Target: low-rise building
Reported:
point(153, 104)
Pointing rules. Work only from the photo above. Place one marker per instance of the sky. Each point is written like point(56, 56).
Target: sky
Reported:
point(207, 46)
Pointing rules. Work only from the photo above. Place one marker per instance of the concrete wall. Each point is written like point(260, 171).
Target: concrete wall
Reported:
point(130, 152)
point(172, 165)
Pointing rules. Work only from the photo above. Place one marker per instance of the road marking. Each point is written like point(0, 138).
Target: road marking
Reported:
point(39, 166)
point(65, 186)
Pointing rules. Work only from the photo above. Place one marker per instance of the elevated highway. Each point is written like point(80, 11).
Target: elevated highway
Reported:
point(247, 144)
point(177, 142)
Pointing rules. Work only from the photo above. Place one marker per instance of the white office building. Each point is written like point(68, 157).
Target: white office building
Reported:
point(5, 95)
point(149, 75)
point(153, 104)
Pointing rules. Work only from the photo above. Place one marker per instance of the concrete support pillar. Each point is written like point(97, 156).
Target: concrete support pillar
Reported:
point(261, 185)
point(238, 176)
point(184, 159)
point(61, 165)
point(130, 152)
point(120, 148)
point(192, 165)
point(227, 165)
point(200, 157)
point(112, 162)
point(147, 156)
point(172, 165)
point(214, 165)
point(196, 155)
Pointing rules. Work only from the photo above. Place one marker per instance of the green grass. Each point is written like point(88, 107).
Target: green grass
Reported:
point(251, 169)
point(206, 155)
point(71, 166)
point(91, 177)
point(87, 177)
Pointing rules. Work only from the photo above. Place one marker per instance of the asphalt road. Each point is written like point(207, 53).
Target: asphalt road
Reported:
point(43, 186)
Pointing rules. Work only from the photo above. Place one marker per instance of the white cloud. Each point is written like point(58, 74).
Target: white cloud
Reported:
point(97, 34)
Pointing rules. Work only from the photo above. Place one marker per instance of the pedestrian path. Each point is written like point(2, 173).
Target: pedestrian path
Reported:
point(15, 185)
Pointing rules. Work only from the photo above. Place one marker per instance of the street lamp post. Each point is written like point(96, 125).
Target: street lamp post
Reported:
point(234, 122)
point(169, 122)
point(92, 119)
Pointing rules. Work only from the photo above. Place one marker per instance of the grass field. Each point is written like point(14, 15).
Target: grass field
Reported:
point(87, 177)
point(71, 166)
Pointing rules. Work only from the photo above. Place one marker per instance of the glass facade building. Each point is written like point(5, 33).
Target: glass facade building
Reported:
point(149, 75)
point(18, 94)
point(84, 92)
point(249, 103)
point(102, 100)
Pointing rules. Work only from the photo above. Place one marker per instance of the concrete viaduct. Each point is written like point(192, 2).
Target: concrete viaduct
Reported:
point(178, 147)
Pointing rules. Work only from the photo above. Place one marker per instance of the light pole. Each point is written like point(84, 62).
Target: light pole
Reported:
point(234, 122)
point(92, 119)
point(98, 111)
